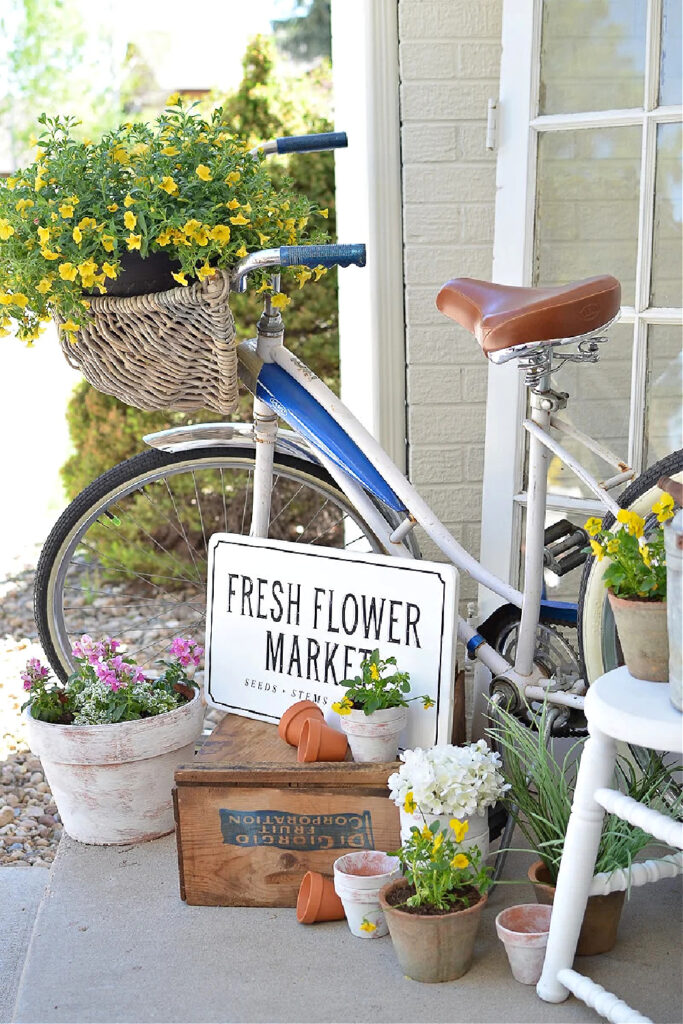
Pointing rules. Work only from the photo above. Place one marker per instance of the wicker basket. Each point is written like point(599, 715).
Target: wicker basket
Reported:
point(168, 350)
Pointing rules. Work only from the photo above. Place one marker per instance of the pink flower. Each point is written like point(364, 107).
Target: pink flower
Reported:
point(186, 651)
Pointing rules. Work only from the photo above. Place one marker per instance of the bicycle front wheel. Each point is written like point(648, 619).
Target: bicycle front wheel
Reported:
point(131, 549)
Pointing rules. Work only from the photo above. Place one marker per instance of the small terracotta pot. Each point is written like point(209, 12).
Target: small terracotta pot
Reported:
point(432, 947)
point(600, 921)
point(317, 900)
point(523, 930)
point(292, 722)
point(320, 743)
point(643, 635)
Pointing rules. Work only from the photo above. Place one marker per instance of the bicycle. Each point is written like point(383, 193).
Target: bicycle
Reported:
point(327, 481)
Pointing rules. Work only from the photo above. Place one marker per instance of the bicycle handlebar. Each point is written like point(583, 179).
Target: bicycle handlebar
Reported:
point(311, 143)
point(322, 255)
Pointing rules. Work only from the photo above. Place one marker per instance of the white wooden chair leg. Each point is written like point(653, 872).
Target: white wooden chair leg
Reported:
point(578, 864)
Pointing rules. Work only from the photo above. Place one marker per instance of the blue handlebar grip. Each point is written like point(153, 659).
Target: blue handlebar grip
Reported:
point(312, 143)
point(322, 255)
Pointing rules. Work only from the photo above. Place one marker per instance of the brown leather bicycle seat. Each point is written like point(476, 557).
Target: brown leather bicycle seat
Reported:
point(501, 316)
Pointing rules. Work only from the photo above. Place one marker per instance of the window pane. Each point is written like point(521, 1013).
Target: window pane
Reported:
point(670, 71)
point(587, 206)
point(664, 426)
point(599, 401)
point(668, 236)
point(592, 55)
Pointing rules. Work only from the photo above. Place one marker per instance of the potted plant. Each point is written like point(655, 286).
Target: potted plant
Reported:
point(433, 912)
point(540, 796)
point(110, 738)
point(636, 582)
point(446, 782)
point(374, 709)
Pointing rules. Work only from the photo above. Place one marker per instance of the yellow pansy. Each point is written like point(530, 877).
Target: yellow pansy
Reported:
point(368, 926)
point(664, 508)
point(645, 555)
point(426, 832)
point(612, 546)
point(597, 550)
point(280, 301)
point(220, 233)
point(23, 204)
point(129, 219)
point(374, 672)
point(133, 242)
point(343, 706)
point(438, 841)
point(128, 201)
point(170, 151)
point(205, 271)
point(110, 270)
point(459, 829)
point(233, 178)
point(233, 204)
point(168, 185)
point(239, 219)
point(67, 272)
point(113, 207)
point(592, 525)
point(409, 804)
point(6, 229)
point(44, 285)
point(633, 522)
point(203, 172)
point(460, 861)
point(48, 254)
point(108, 243)
point(173, 100)
point(180, 278)
point(427, 703)
point(77, 235)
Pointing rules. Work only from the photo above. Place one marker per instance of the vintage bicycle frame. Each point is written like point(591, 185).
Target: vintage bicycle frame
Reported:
point(284, 387)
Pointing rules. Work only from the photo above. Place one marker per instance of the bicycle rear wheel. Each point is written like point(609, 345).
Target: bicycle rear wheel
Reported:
point(132, 547)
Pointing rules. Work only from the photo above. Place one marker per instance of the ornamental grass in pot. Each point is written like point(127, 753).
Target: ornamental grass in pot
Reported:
point(433, 913)
point(111, 737)
point(374, 710)
point(540, 796)
point(635, 576)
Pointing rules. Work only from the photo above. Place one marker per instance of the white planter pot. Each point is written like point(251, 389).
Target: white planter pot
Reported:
point(112, 783)
point(358, 878)
point(374, 737)
point(477, 834)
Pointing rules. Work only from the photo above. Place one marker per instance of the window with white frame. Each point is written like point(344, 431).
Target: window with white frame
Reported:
point(589, 182)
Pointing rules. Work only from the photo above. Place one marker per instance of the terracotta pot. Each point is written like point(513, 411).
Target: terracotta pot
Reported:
point(374, 738)
point(292, 722)
point(112, 783)
point(317, 900)
point(600, 921)
point(432, 947)
point(643, 636)
point(358, 878)
point(318, 742)
point(523, 930)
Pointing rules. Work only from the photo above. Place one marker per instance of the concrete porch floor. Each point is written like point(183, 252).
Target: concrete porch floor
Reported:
point(113, 942)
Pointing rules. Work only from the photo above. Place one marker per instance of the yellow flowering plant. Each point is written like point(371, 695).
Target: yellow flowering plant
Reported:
point(185, 186)
point(443, 875)
point(377, 688)
point(635, 550)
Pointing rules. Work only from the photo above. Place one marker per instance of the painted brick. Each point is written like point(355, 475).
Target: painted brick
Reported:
point(474, 382)
point(442, 465)
point(429, 143)
point(428, 60)
point(461, 100)
point(432, 223)
point(427, 183)
point(474, 462)
point(447, 424)
point(460, 19)
point(478, 59)
point(471, 141)
point(478, 220)
point(443, 344)
point(434, 265)
point(428, 385)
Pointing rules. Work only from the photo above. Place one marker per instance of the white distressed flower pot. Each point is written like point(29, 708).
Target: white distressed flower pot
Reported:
point(477, 834)
point(358, 878)
point(374, 737)
point(112, 783)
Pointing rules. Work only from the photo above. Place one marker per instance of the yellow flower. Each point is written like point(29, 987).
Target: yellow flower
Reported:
point(221, 233)
point(343, 706)
point(239, 219)
point(597, 550)
point(368, 926)
point(203, 172)
point(133, 242)
point(66, 210)
point(47, 254)
point(67, 272)
point(69, 325)
point(77, 235)
point(44, 285)
point(205, 271)
point(128, 201)
point(6, 229)
point(108, 243)
point(180, 278)
point(169, 185)
point(233, 178)
point(170, 151)
point(164, 238)
point(191, 226)
point(634, 523)
point(279, 300)
point(459, 829)
point(319, 271)
point(129, 219)
point(303, 275)
point(645, 555)
point(265, 287)
point(592, 525)
point(11, 183)
point(233, 204)
point(201, 237)
point(23, 204)
point(438, 840)
point(409, 804)
point(324, 213)
point(119, 155)
point(173, 100)
point(18, 299)
point(241, 253)
point(263, 239)
point(426, 832)
point(110, 270)
point(44, 235)
point(113, 207)
point(87, 271)
point(460, 861)
point(139, 149)
point(427, 703)
point(374, 672)
point(87, 222)
point(613, 546)
point(664, 508)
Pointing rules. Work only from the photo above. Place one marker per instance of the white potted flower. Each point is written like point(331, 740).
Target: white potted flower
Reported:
point(447, 782)
point(110, 738)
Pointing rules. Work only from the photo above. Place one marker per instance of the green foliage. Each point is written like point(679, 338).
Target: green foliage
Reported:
point(376, 689)
point(305, 35)
point(637, 560)
point(441, 872)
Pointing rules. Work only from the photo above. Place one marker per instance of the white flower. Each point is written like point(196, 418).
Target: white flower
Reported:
point(459, 781)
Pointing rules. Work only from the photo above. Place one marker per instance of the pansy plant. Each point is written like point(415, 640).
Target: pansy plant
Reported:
point(377, 688)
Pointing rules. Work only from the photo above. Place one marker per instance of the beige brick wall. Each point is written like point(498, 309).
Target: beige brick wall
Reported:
point(449, 67)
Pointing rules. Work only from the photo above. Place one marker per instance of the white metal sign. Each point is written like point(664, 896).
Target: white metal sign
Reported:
point(288, 622)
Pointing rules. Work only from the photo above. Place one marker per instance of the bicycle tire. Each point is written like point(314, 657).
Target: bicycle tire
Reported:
point(598, 646)
point(100, 506)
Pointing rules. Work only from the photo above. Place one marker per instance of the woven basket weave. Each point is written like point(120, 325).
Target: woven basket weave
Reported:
point(168, 350)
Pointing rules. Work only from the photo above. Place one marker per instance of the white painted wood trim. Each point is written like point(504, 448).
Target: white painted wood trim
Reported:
point(369, 209)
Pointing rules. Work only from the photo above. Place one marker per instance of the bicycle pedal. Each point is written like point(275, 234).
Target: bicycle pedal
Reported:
point(564, 548)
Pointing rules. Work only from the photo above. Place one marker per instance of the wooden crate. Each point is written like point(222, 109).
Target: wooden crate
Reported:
point(251, 821)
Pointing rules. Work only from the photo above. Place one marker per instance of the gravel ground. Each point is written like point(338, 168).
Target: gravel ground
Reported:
point(30, 827)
